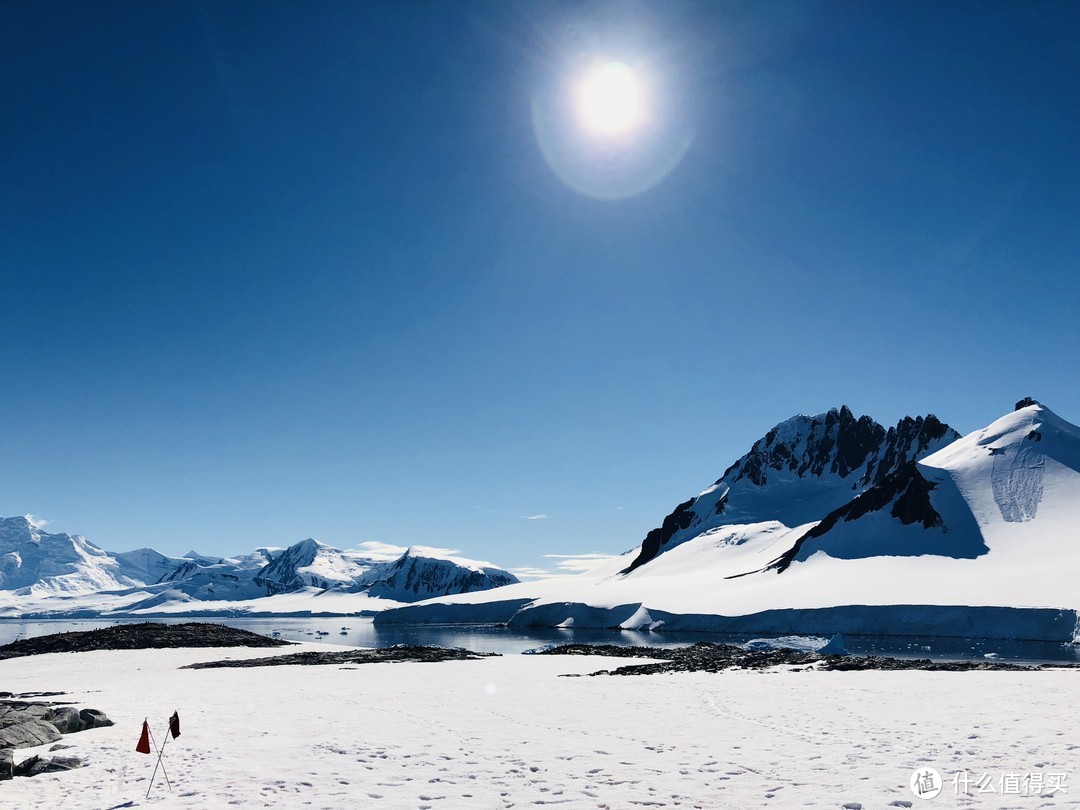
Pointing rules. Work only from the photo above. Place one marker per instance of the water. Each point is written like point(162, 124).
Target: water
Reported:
point(362, 632)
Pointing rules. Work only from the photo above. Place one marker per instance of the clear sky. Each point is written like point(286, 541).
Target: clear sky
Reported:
point(271, 270)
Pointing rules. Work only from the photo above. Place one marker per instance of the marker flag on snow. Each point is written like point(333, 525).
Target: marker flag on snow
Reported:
point(174, 725)
point(144, 740)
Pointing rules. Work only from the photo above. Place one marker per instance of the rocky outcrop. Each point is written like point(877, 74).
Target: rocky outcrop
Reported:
point(26, 730)
point(361, 655)
point(38, 764)
point(145, 635)
point(706, 656)
point(27, 724)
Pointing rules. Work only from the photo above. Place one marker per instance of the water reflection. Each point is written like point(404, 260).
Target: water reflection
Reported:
point(362, 632)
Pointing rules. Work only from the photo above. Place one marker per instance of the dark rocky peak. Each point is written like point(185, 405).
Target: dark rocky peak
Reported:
point(280, 575)
point(1025, 402)
point(835, 442)
point(802, 464)
point(910, 440)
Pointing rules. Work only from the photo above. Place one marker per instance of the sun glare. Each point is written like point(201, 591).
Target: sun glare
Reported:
point(609, 99)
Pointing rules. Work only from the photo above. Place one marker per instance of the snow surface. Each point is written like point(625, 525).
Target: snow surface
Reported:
point(509, 731)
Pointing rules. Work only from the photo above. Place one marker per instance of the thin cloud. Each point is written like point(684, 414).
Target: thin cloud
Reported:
point(541, 516)
point(386, 552)
point(578, 563)
point(35, 521)
point(532, 573)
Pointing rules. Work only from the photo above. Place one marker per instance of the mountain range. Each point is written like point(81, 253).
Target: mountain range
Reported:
point(828, 523)
point(835, 523)
point(64, 574)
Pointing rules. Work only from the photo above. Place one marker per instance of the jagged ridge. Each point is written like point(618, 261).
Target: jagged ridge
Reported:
point(803, 468)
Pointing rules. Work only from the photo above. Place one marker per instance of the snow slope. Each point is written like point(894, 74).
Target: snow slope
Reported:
point(34, 562)
point(974, 539)
point(510, 731)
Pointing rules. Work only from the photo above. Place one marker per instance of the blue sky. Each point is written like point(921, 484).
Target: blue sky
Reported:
point(279, 270)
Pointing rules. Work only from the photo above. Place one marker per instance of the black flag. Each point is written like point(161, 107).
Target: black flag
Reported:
point(174, 725)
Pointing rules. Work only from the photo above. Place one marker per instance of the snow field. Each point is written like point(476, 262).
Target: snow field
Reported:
point(509, 732)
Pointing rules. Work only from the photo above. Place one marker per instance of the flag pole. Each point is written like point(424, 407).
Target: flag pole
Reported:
point(158, 763)
point(160, 753)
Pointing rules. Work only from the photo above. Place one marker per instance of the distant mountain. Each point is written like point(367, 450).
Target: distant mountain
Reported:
point(416, 575)
point(34, 561)
point(38, 565)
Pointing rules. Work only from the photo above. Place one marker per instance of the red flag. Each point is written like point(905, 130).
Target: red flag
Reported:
point(174, 725)
point(144, 741)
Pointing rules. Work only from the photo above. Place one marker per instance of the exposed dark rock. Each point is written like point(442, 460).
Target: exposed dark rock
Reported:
point(37, 764)
point(1024, 403)
point(906, 490)
point(906, 442)
point(66, 719)
point(30, 732)
point(677, 520)
point(357, 656)
point(146, 635)
point(913, 505)
point(709, 657)
point(26, 725)
point(855, 443)
point(94, 718)
point(24, 767)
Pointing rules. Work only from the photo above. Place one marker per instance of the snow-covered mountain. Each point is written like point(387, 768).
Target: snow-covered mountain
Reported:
point(37, 569)
point(832, 523)
point(959, 500)
point(36, 562)
point(801, 470)
point(419, 575)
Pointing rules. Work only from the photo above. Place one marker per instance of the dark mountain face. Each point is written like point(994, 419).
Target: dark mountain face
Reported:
point(905, 493)
point(280, 576)
point(909, 441)
point(837, 443)
point(413, 577)
point(806, 461)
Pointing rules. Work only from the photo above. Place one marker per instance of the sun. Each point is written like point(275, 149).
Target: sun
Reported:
point(609, 99)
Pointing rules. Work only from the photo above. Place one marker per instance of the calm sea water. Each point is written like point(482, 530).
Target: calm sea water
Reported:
point(362, 632)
